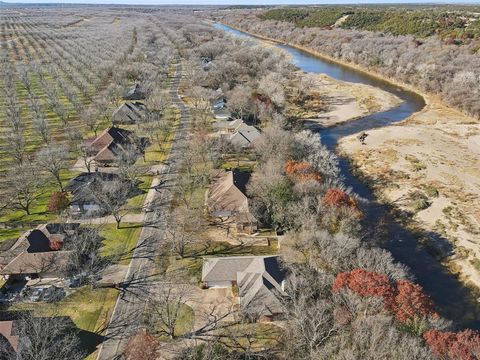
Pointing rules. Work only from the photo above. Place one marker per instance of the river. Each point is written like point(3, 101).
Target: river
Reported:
point(452, 299)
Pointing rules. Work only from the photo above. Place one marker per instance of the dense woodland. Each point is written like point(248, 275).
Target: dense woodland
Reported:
point(430, 64)
point(453, 25)
point(346, 297)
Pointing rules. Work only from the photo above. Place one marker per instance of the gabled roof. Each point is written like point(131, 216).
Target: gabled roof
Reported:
point(245, 135)
point(81, 186)
point(134, 93)
point(38, 263)
point(228, 193)
point(7, 335)
point(259, 279)
point(111, 135)
point(129, 113)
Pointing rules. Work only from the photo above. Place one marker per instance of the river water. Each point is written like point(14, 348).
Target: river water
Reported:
point(453, 300)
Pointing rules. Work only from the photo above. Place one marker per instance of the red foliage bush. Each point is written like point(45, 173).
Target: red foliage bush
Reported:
point(58, 202)
point(142, 346)
point(464, 345)
point(337, 197)
point(301, 171)
point(405, 300)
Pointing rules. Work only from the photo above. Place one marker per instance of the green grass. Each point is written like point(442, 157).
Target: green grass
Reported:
point(184, 323)
point(119, 244)
point(38, 210)
point(89, 309)
point(9, 234)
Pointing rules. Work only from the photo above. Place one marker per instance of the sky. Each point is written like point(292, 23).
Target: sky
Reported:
point(240, 2)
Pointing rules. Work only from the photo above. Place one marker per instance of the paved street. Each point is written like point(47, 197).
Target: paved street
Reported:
point(139, 280)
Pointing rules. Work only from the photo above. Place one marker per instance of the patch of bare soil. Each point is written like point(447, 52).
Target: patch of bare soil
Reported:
point(429, 165)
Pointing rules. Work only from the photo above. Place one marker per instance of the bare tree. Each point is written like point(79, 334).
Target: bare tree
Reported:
point(43, 338)
point(25, 186)
point(112, 197)
point(53, 158)
point(183, 226)
point(85, 259)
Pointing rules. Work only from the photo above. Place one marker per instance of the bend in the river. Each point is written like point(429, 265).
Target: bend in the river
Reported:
point(453, 300)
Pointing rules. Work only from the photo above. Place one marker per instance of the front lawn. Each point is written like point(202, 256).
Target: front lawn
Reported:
point(38, 210)
point(119, 244)
point(89, 309)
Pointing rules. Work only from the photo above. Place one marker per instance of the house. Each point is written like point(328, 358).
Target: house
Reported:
point(245, 136)
point(38, 252)
point(227, 199)
point(134, 93)
point(112, 141)
point(129, 113)
point(259, 279)
point(33, 265)
point(14, 323)
point(219, 106)
point(9, 341)
point(238, 132)
point(84, 200)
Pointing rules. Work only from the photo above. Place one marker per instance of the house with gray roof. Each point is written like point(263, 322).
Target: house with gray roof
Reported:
point(129, 113)
point(260, 282)
point(134, 93)
point(227, 200)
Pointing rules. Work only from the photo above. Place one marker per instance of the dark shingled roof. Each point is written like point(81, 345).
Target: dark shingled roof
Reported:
point(134, 93)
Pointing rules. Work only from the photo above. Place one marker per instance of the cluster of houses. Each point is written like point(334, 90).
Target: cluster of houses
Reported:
point(258, 279)
point(104, 151)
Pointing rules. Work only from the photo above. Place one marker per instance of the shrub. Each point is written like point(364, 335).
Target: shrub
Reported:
point(58, 202)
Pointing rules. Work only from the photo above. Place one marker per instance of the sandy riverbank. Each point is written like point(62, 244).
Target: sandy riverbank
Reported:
point(429, 165)
point(335, 101)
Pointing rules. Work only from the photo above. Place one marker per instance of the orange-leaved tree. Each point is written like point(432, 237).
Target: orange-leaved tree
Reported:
point(301, 171)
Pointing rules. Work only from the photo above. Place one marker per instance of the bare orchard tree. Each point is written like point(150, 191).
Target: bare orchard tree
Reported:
point(183, 226)
point(54, 158)
point(86, 156)
point(16, 146)
point(201, 98)
point(90, 116)
point(24, 186)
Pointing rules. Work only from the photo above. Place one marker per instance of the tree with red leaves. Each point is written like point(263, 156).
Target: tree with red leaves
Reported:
point(404, 299)
point(464, 345)
point(364, 283)
point(142, 346)
point(409, 302)
point(301, 171)
point(337, 197)
point(58, 202)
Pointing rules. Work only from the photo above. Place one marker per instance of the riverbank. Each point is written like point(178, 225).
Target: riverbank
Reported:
point(332, 102)
point(429, 166)
point(428, 98)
